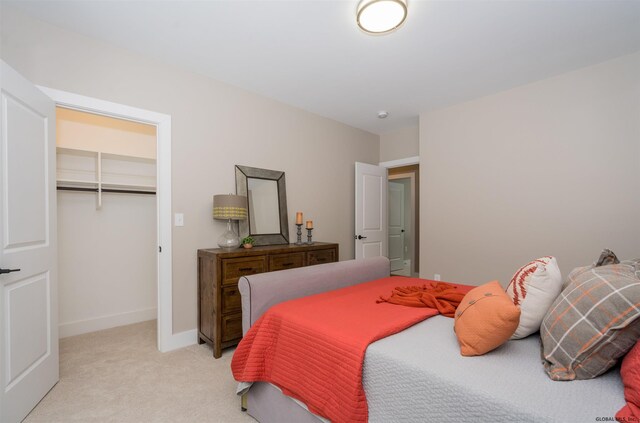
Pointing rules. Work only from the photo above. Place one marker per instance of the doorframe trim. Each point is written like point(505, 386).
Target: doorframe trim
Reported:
point(162, 122)
point(401, 162)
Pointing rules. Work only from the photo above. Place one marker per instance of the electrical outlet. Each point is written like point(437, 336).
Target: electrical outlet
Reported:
point(179, 219)
point(436, 277)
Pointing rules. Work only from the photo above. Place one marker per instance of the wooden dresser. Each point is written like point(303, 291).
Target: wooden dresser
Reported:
point(219, 307)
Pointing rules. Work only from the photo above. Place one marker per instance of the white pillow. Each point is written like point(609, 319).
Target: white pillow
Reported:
point(534, 288)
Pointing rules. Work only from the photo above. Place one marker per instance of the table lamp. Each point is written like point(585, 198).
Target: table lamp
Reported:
point(229, 207)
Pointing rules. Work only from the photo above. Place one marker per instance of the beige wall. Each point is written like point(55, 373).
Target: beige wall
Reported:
point(214, 127)
point(549, 168)
point(400, 143)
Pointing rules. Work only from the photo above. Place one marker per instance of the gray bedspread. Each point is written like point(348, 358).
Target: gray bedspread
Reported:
point(418, 375)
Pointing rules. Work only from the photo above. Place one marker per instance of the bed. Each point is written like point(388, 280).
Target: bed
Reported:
point(419, 374)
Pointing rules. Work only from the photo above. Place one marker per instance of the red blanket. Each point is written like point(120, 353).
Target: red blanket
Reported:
point(442, 296)
point(313, 347)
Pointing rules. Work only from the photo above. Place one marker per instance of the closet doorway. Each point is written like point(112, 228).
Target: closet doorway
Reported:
point(166, 339)
point(404, 222)
point(107, 221)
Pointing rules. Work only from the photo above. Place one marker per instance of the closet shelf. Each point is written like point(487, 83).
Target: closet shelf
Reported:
point(99, 172)
point(76, 152)
point(140, 187)
point(76, 182)
point(139, 159)
point(105, 190)
point(105, 155)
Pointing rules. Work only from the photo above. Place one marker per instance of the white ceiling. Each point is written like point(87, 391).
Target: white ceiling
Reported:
point(310, 54)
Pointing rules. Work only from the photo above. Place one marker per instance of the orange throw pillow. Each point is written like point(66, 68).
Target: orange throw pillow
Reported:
point(485, 319)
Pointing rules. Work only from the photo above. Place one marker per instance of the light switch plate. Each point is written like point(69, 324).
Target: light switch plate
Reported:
point(179, 219)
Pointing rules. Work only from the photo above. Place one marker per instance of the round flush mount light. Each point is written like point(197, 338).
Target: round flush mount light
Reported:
point(382, 114)
point(381, 16)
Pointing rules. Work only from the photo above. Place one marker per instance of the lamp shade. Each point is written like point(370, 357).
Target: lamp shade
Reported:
point(229, 206)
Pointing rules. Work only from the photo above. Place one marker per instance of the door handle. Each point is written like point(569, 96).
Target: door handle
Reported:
point(360, 237)
point(8, 270)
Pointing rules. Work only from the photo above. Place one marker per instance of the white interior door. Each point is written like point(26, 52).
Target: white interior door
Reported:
point(28, 298)
point(396, 225)
point(371, 211)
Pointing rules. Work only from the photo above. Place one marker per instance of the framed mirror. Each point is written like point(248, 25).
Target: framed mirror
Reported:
point(267, 222)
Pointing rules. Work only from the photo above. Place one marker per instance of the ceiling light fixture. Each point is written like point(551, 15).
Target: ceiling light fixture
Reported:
point(382, 114)
point(381, 16)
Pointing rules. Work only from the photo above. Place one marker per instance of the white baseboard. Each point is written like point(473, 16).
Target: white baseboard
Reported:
point(106, 322)
point(181, 340)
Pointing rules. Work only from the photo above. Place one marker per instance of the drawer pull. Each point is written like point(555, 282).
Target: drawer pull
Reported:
point(245, 269)
point(322, 259)
point(287, 264)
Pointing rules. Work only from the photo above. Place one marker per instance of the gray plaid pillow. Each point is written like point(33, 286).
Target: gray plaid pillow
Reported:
point(593, 322)
point(606, 257)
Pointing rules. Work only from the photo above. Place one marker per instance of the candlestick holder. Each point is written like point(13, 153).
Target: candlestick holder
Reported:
point(309, 241)
point(299, 241)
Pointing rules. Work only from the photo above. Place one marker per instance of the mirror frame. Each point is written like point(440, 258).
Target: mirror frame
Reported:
point(244, 172)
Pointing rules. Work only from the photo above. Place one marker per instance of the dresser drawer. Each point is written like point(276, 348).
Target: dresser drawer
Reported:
point(231, 327)
point(285, 261)
point(233, 269)
point(231, 299)
point(321, 256)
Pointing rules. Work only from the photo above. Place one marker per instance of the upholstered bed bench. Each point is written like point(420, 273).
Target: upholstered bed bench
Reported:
point(419, 374)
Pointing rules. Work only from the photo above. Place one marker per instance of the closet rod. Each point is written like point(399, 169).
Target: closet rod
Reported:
point(121, 191)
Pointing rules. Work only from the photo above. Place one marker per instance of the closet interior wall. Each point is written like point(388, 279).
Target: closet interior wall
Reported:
point(107, 258)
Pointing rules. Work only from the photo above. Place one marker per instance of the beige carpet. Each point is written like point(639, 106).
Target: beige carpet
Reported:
point(118, 375)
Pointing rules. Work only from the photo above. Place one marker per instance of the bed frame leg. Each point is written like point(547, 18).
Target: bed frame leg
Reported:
point(243, 402)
